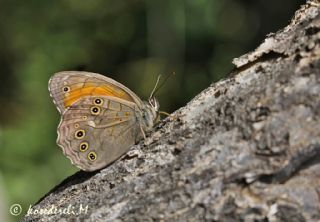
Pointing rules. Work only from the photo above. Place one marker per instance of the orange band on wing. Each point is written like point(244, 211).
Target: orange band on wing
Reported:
point(104, 90)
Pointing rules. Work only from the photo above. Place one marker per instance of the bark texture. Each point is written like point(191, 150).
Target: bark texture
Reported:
point(245, 149)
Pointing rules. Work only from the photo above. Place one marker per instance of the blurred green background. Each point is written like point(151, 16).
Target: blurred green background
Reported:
point(131, 41)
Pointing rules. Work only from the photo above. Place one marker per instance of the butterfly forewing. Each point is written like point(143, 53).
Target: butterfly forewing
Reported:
point(95, 131)
point(69, 86)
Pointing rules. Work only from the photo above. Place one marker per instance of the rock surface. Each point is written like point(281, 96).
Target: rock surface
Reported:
point(245, 149)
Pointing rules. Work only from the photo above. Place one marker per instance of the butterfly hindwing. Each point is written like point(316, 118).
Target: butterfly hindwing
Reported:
point(96, 130)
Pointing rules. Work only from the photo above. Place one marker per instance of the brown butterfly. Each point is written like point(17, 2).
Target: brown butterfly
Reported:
point(100, 118)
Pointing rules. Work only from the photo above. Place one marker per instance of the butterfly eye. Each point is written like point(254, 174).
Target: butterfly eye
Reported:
point(80, 134)
point(66, 89)
point(95, 110)
point(92, 156)
point(98, 101)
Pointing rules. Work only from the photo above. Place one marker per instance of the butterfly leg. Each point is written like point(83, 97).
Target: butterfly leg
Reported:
point(164, 113)
point(143, 133)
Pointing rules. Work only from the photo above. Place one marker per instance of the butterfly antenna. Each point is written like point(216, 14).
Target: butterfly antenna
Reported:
point(156, 87)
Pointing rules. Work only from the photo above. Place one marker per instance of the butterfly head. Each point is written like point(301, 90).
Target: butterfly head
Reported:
point(150, 112)
point(154, 104)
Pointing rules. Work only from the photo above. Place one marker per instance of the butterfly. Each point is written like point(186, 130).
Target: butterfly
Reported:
point(100, 118)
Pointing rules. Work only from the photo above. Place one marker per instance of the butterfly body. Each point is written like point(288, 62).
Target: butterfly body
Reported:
point(100, 118)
